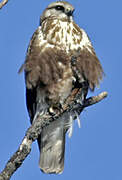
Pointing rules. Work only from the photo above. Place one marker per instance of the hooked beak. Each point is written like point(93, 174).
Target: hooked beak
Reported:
point(69, 12)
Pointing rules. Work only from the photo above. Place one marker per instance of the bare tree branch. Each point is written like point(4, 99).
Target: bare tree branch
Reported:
point(95, 99)
point(3, 3)
point(35, 129)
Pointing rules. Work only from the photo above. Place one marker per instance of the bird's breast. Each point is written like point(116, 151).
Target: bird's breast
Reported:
point(66, 35)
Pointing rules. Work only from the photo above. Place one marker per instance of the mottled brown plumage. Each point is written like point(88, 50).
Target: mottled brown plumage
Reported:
point(60, 60)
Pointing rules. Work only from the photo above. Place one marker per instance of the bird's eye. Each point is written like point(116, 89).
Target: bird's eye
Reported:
point(59, 8)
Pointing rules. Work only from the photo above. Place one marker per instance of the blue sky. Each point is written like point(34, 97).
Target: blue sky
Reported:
point(95, 151)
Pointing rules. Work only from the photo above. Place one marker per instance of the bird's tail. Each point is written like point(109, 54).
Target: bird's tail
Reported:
point(52, 140)
point(52, 148)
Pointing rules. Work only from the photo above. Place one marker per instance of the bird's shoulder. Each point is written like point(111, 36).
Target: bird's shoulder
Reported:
point(38, 42)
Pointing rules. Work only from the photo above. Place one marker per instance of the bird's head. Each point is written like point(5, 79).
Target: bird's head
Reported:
point(60, 9)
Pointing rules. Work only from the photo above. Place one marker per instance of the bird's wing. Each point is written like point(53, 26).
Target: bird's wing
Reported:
point(85, 62)
point(47, 73)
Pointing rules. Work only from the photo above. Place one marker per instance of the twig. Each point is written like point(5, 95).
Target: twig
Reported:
point(34, 131)
point(95, 99)
point(3, 3)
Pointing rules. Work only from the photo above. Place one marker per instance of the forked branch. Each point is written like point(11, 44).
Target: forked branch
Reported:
point(34, 131)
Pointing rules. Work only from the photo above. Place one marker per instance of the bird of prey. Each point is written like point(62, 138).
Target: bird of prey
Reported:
point(60, 60)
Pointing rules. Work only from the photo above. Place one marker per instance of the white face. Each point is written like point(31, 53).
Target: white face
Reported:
point(60, 9)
